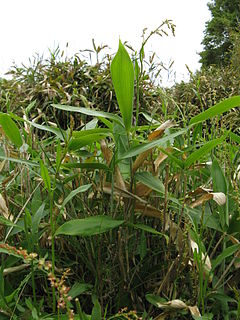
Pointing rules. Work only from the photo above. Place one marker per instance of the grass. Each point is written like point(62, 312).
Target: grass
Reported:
point(104, 218)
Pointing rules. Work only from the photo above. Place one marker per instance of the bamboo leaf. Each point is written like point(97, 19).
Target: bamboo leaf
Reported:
point(146, 146)
point(149, 229)
point(45, 176)
point(85, 140)
point(74, 193)
point(89, 226)
point(149, 180)
point(226, 253)
point(89, 112)
point(10, 129)
point(218, 109)
point(82, 133)
point(86, 165)
point(122, 73)
point(196, 155)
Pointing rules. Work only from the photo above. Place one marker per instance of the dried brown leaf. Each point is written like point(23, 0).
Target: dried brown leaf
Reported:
point(201, 200)
point(194, 311)
point(107, 154)
point(3, 207)
point(156, 134)
point(142, 190)
point(148, 210)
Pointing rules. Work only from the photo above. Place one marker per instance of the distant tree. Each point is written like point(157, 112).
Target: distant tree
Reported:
point(218, 39)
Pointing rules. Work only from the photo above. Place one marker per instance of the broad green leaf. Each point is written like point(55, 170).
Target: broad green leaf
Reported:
point(219, 180)
point(122, 73)
point(89, 226)
point(37, 218)
point(155, 299)
point(45, 176)
point(218, 109)
point(96, 311)
point(85, 140)
point(79, 288)
point(10, 129)
point(201, 152)
point(59, 133)
point(74, 193)
point(220, 185)
point(21, 161)
point(82, 133)
point(235, 137)
point(89, 112)
point(149, 229)
point(9, 223)
point(147, 146)
point(149, 180)
point(86, 165)
point(226, 253)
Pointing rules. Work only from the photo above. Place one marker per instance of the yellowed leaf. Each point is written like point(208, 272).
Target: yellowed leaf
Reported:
point(173, 304)
point(148, 210)
point(162, 156)
point(140, 159)
point(194, 311)
point(107, 154)
point(4, 209)
point(142, 190)
point(156, 134)
point(201, 200)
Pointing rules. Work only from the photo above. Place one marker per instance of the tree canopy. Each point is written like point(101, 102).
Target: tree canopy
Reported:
point(219, 33)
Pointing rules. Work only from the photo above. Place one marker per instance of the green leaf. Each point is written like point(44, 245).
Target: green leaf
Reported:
point(82, 133)
point(154, 299)
point(149, 229)
point(74, 193)
point(89, 226)
point(96, 311)
point(150, 181)
point(218, 109)
point(219, 180)
point(199, 153)
point(58, 155)
point(122, 73)
point(86, 165)
point(235, 137)
point(45, 176)
point(226, 253)
point(59, 133)
point(10, 129)
point(147, 146)
point(9, 223)
point(79, 288)
point(21, 161)
point(86, 140)
point(37, 218)
point(89, 112)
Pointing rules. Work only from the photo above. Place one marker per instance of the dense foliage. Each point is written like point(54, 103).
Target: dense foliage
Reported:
point(220, 32)
point(119, 199)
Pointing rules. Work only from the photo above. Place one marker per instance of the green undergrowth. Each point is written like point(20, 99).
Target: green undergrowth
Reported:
point(110, 208)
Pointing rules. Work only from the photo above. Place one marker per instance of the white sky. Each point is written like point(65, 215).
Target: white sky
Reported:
point(33, 26)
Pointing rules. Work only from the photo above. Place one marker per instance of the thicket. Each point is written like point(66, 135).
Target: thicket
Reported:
point(119, 199)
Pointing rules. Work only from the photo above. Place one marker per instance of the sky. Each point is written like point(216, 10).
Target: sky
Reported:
point(33, 26)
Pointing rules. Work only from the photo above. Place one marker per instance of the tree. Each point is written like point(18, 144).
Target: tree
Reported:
point(219, 33)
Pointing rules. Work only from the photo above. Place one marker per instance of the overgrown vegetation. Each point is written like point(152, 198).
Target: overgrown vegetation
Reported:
point(119, 200)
